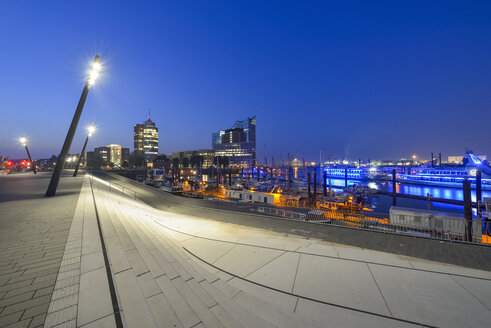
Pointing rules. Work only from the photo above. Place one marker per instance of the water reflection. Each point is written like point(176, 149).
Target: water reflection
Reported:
point(383, 203)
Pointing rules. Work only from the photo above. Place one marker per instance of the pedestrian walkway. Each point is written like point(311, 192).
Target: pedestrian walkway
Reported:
point(123, 263)
point(177, 270)
point(33, 238)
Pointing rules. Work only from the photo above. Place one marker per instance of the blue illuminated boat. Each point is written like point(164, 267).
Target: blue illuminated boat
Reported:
point(356, 173)
point(444, 177)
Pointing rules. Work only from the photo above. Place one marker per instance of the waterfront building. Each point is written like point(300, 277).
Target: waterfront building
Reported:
point(237, 143)
point(188, 157)
point(138, 139)
point(103, 153)
point(146, 140)
point(111, 154)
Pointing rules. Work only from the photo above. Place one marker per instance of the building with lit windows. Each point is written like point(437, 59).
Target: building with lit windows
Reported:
point(237, 143)
point(146, 140)
point(138, 139)
point(206, 155)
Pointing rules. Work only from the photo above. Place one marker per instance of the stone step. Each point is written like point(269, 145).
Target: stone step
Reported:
point(214, 302)
point(185, 303)
point(253, 302)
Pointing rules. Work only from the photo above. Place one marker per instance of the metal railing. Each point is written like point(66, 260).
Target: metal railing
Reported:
point(449, 228)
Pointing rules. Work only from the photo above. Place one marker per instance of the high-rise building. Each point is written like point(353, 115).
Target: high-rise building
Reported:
point(237, 143)
point(146, 140)
point(138, 139)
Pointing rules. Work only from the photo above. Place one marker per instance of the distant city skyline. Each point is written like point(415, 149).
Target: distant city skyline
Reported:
point(378, 80)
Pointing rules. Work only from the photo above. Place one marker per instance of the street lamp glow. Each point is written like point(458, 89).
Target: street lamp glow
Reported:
point(414, 156)
point(90, 130)
point(23, 141)
point(95, 72)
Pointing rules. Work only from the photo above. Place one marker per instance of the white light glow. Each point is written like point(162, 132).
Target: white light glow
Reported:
point(90, 130)
point(95, 73)
point(23, 141)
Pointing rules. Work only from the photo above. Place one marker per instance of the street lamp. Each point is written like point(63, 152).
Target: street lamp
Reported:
point(92, 78)
point(90, 130)
point(23, 141)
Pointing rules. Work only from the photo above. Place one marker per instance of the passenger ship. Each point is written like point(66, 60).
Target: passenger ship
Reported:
point(444, 177)
point(356, 173)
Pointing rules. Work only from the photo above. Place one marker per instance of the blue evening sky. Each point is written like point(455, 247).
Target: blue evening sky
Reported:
point(369, 79)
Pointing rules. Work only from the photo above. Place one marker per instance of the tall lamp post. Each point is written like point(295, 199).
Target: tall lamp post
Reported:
point(23, 141)
point(90, 130)
point(55, 178)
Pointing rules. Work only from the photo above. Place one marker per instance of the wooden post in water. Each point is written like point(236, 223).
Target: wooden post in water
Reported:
point(308, 187)
point(315, 188)
point(478, 190)
point(394, 202)
point(325, 182)
point(467, 209)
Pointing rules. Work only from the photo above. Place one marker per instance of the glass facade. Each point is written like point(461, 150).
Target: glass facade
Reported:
point(237, 143)
point(146, 140)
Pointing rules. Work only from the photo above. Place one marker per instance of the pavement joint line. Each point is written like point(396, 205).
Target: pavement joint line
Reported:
point(112, 288)
point(312, 299)
point(380, 291)
point(284, 252)
point(295, 278)
point(226, 252)
point(328, 256)
point(469, 292)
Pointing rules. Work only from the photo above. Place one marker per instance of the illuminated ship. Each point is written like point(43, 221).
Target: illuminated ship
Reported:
point(451, 176)
point(356, 173)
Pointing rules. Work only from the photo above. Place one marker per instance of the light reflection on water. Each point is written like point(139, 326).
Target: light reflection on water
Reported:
point(383, 203)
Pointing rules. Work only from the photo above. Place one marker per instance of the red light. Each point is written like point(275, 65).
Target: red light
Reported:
point(23, 163)
point(9, 163)
point(28, 163)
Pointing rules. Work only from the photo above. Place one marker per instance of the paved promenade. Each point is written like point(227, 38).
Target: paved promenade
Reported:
point(123, 263)
point(33, 237)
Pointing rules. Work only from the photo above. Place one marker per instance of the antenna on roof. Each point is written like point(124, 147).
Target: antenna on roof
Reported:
point(149, 113)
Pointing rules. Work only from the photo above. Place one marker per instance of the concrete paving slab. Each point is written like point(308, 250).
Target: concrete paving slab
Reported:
point(480, 289)
point(284, 301)
point(133, 304)
point(279, 273)
point(334, 317)
point(342, 282)
point(366, 255)
point(429, 298)
point(452, 269)
point(208, 250)
point(251, 259)
point(91, 261)
point(319, 248)
point(106, 322)
point(94, 297)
